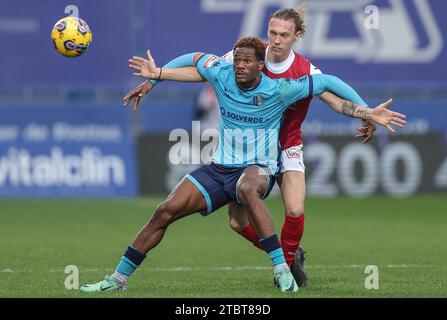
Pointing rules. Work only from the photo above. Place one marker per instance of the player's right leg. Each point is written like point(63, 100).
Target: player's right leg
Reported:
point(185, 199)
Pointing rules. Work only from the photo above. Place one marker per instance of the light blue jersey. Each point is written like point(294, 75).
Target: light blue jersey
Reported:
point(250, 119)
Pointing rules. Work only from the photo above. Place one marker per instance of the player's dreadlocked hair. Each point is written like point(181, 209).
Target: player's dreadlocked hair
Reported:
point(297, 15)
point(252, 42)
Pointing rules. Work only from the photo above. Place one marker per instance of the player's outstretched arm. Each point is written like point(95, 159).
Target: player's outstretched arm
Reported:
point(383, 116)
point(146, 68)
point(334, 102)
point(292, 91)
point(143, 88)
point(380, 115)
point(350, 107)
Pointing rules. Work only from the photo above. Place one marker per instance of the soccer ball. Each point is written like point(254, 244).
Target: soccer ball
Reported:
point(71, 36)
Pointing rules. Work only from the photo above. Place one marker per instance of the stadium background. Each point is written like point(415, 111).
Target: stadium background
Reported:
point(65, 134)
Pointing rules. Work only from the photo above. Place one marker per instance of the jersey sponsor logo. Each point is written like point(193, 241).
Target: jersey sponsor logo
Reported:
point(293, 153)
point(242, 118)
point(208, 61)
point(403, 25)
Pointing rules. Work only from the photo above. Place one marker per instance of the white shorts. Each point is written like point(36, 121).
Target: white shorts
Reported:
point(292, 159)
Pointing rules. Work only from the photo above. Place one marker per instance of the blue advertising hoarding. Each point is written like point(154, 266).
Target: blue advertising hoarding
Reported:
point(391, 41)
point(423, 116)
point(414, 160)
point(29, 59)
point(405, 44)
point(62, 151)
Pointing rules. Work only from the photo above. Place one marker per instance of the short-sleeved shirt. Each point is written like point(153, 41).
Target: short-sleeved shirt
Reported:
point(250, 119)
point(294, 67)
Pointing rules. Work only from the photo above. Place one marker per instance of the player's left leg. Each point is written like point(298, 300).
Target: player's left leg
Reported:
point(293, 190)
point(252, 187)
point(239, 221)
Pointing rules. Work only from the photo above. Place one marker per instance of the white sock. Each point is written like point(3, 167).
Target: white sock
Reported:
point(280, 267)
point(119, 277)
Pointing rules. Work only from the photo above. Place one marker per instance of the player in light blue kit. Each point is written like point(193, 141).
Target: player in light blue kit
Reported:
point(246, 158)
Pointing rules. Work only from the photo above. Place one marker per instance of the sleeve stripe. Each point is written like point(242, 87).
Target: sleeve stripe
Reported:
point(197, 57)
point(311, 86)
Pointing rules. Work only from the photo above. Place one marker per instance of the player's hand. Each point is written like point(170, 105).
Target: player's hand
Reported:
point(137, 94)
point(146, 67)
point(386, 118)
point(367, 131)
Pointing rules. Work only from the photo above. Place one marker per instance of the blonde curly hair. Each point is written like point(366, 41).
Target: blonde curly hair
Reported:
point(297, 15)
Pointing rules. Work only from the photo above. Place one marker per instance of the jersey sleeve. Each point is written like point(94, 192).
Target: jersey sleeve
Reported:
point(228, 57)
point(325, 82)
point(295, 90)
point(185, 60)
point(292, 90)
point(208, 65)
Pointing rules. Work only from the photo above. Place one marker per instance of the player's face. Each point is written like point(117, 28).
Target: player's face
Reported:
point(246, 66)
point(281, 37)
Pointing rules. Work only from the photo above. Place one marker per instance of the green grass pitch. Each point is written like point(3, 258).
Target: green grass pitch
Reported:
point(201, 257)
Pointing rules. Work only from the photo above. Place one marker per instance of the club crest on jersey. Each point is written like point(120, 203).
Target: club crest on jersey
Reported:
point(257, 100)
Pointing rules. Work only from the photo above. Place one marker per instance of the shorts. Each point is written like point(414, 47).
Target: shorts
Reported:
point(218, 184)
point(292, 159)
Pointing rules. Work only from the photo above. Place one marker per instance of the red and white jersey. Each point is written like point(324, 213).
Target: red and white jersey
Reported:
point(294, 67)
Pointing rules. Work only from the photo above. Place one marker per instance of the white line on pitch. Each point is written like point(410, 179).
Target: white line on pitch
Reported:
point(230, 268)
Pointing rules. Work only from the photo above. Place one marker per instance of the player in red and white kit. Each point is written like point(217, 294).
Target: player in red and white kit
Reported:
point(286, 27)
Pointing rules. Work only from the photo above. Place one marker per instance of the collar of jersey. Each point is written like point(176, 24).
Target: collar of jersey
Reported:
point(251, 89)
point(280, 67)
